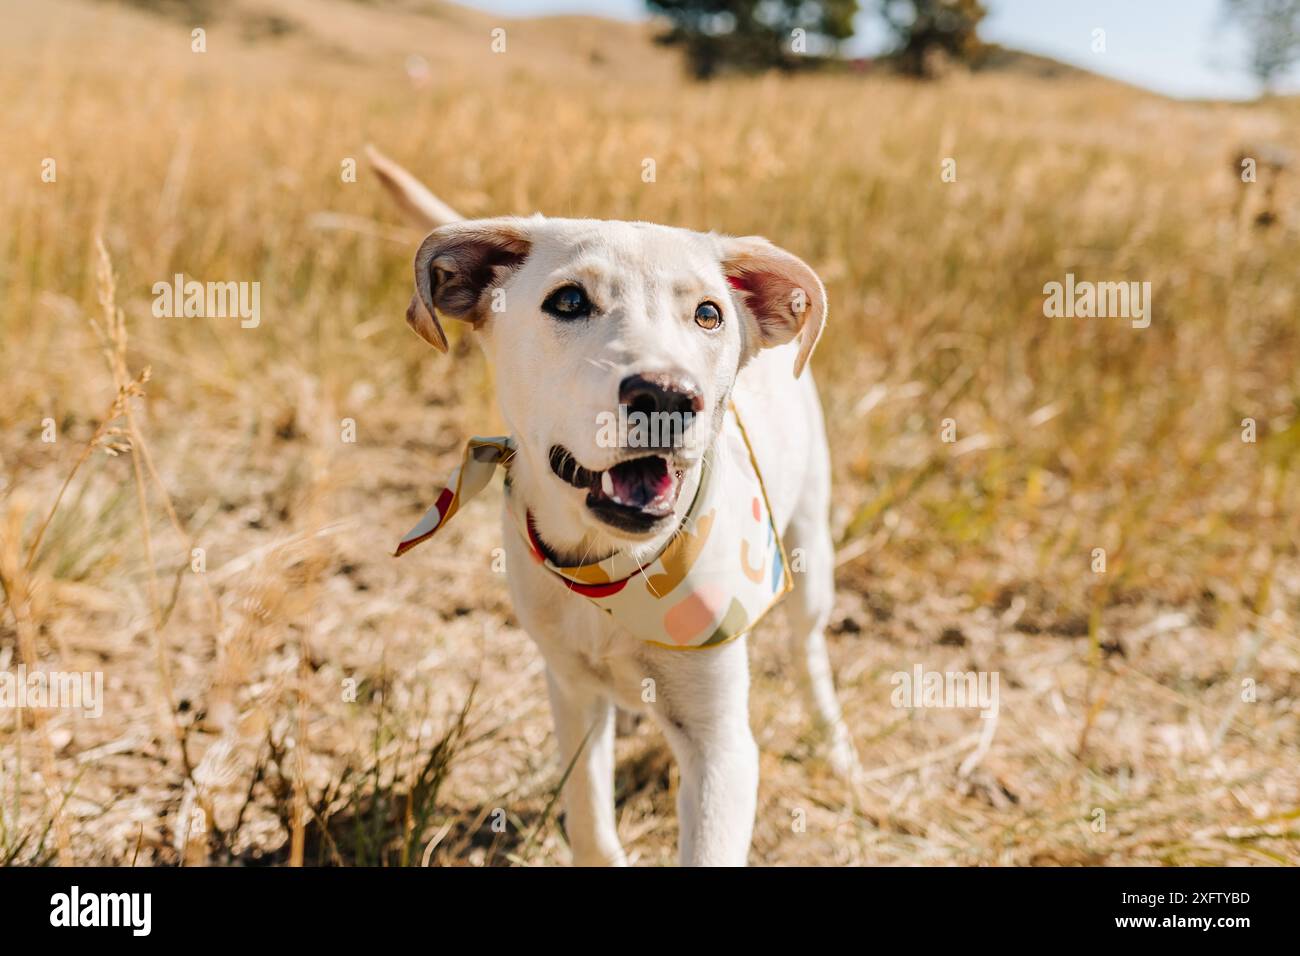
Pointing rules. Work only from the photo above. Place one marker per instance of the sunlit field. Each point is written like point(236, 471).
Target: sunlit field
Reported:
point(1103, 515)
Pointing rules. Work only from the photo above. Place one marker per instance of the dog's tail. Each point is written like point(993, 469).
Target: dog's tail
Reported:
point(420, 205)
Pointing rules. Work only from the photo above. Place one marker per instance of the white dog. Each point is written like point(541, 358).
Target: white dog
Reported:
point(580, 317)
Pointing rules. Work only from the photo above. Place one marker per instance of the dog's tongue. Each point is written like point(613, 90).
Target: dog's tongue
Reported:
point(642, 483)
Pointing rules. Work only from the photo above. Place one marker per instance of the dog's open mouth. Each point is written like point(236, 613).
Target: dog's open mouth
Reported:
point(633, 495)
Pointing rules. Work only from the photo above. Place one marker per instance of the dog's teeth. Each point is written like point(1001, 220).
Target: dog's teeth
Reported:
point(607, 484)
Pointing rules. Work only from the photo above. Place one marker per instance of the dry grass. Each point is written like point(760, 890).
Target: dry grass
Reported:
point(231, 727)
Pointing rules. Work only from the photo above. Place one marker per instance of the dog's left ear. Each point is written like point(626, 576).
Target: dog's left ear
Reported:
point(781, 292)
point(456, 265)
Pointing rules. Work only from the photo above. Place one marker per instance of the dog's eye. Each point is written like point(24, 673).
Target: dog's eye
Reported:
point(569, 302)
point(708, 315)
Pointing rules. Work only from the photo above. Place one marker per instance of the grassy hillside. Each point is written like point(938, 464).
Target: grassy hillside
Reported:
point(456, 40)
point(306, 697)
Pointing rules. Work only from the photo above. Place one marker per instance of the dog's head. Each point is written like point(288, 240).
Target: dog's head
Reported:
point(615, 346)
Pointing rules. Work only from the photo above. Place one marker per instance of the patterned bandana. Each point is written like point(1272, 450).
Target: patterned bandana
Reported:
point(713, 581)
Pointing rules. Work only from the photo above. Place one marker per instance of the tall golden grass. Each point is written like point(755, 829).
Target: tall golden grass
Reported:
point(305, 699)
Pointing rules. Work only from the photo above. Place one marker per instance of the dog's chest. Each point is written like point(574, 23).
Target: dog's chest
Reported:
point(579, 640)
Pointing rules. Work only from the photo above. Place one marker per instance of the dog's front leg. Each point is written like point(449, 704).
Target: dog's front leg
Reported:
point(701, 700)
point(585, 719)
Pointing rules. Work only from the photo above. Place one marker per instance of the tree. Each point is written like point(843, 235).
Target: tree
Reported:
point(754, 34)
point(930, 29)
point(1272, 28)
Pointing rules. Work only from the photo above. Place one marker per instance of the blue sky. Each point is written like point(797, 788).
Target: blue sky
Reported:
point(1177, 47)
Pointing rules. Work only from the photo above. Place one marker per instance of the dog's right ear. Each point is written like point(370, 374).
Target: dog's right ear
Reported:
point(456, 265)
point(781, 292)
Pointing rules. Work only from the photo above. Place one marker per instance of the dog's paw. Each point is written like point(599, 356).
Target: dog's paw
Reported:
point(837, 747)
point(596, 858)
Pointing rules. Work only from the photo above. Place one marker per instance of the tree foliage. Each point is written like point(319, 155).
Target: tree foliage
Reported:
point(1272, 28)
point(754, 34)
point(927, 30)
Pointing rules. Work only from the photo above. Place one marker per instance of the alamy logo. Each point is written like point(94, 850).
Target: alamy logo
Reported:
point(133, 910)
point(38, 690)
point(644, 429)
point(1102, 300)
point(946, 690)
point(208, 300)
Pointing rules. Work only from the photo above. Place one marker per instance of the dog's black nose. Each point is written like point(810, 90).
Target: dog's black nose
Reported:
point(664, 392)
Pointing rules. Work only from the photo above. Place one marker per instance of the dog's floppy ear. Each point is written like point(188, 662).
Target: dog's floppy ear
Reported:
point(781, 292)
point(455, 265)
